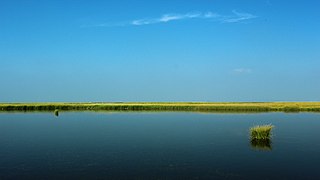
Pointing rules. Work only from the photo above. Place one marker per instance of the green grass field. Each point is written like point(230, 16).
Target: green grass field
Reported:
point(168, 106)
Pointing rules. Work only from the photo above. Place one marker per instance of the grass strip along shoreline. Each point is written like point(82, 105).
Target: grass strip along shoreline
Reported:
point(166, 106)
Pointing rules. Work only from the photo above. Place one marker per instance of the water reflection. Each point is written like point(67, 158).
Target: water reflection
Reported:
point(156, 146)
point(261, 144)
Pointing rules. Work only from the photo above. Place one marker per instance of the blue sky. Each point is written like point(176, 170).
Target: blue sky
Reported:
point(169, 50)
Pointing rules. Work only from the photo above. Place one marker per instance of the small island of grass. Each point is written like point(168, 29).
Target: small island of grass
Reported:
point(261, 132)
point(261, 137)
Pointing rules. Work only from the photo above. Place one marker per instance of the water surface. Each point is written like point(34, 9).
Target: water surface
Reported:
point(157, 146)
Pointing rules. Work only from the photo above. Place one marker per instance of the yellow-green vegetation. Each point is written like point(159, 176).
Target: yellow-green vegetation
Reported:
point(261, 137)
point(261, 132)
point(167, 106)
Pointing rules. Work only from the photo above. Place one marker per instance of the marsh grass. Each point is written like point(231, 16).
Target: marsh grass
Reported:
point(261, 132)
point(293, 108)
point(168, 106)
point(261, 137)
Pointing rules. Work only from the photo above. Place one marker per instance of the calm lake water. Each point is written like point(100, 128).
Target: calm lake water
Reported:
point(157, 146)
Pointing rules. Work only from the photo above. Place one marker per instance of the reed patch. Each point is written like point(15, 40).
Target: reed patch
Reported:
point(262, 132)
point(168, 106)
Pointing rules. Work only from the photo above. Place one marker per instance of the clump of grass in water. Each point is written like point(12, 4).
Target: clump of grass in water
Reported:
point(261, 137)
point(261, 132)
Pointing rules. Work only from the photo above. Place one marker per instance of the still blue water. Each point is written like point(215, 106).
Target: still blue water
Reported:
point(163, 145)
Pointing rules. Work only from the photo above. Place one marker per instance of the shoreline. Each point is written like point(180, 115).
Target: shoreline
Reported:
point(165, 106)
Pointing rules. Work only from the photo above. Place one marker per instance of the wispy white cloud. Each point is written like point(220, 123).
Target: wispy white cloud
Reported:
point(239, 16)
point(142, 22)
point(211, 15)
point(169, 17)
point(165, 18)
point(235, 17)
point(242, 70)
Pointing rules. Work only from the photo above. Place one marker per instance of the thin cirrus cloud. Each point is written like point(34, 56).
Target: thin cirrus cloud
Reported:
point(240, 16)
point(166, 18)
point(235, 17)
